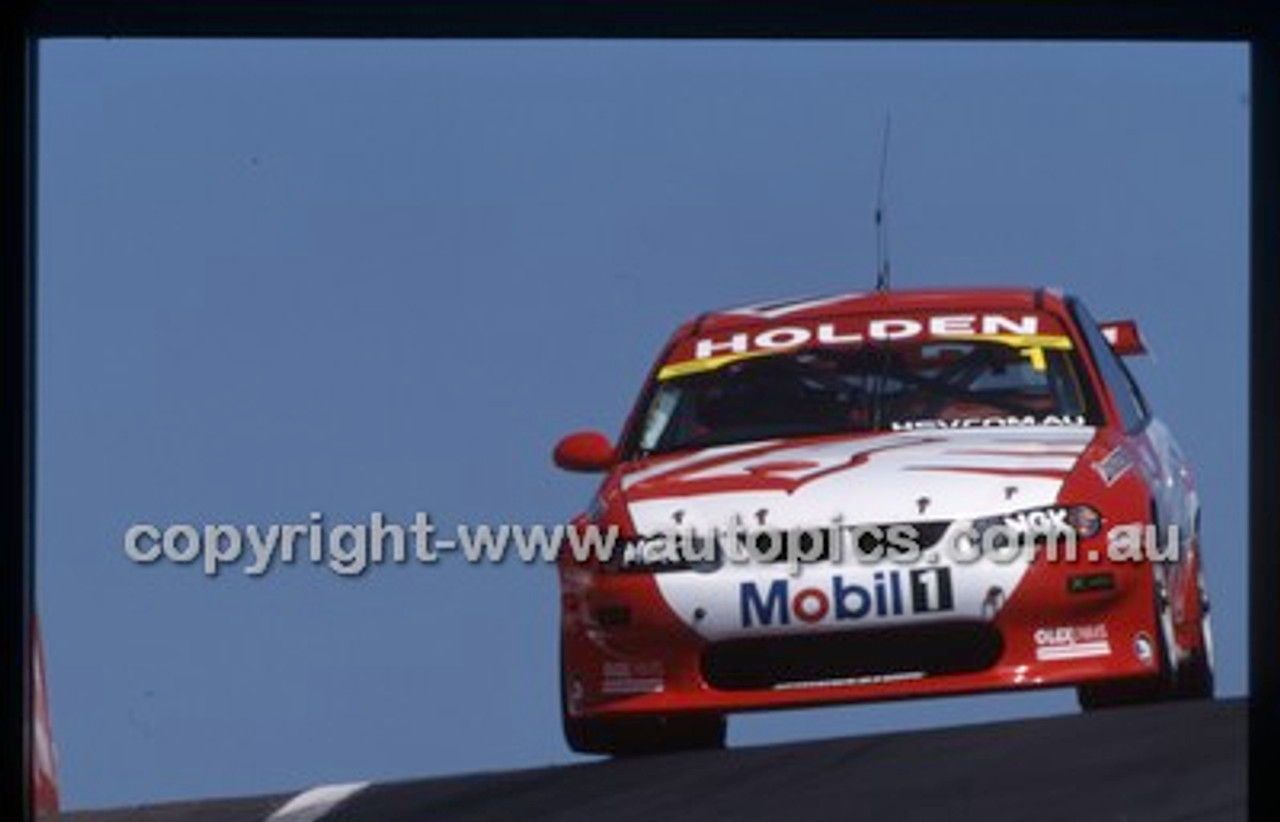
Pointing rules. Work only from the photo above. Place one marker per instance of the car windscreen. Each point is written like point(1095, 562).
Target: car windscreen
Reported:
point(880, 386)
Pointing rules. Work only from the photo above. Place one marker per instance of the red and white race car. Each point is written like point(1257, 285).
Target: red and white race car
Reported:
point(875, 496)
point(42, 761)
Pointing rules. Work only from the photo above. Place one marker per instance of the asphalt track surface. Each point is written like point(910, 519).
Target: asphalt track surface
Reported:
point(1177, 762)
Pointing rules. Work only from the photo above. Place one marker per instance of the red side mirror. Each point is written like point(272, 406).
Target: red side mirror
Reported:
point(585, 451)
point(1124, 337)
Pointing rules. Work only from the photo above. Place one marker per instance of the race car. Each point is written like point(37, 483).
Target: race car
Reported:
point(878, 496)
point(42, 758)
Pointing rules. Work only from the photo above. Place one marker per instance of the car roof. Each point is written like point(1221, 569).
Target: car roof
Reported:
point(851, 303)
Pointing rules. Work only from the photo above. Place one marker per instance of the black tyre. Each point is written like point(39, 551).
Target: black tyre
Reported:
point(635, 736)
point(1195, 678)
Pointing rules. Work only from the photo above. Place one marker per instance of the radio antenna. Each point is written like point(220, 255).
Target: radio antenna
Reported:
point(882, 235)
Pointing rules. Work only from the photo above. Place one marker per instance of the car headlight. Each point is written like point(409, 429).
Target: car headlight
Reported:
point(1085, 519)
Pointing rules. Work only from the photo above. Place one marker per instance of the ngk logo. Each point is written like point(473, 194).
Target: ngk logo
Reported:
point(1049, 521)
point(889, 594)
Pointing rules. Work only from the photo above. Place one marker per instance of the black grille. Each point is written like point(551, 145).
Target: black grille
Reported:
point(933, 649)
point(821, 544)
point(927, 535)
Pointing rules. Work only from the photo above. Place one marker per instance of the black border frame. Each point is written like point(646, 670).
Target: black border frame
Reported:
point(827, 19)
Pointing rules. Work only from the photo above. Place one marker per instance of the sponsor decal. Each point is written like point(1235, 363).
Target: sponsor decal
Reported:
point(1083, 583)
point(1071, 642)
point(889, 594)
point(1043, 521)
point(1021, 332)
point(675, 550)
point(992, 422)
point(1113, 465)
point(621, 677)
point(855, 330)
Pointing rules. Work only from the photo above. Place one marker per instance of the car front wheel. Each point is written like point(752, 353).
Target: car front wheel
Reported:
point(1188, 678)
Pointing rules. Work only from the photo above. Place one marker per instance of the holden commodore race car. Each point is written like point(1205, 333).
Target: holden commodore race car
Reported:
point(876, 496)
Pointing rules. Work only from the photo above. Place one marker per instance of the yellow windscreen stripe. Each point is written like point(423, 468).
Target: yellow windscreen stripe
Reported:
point(1032, 342)
point(1031, 346)
point(1058, 342)
point(683, 369)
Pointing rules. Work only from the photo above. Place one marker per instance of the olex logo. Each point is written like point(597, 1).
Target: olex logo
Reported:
point(889, 594)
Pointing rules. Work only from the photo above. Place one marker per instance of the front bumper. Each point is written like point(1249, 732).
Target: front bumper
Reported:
point(625, 652)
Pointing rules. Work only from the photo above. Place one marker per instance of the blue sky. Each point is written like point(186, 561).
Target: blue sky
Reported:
point(284, 277)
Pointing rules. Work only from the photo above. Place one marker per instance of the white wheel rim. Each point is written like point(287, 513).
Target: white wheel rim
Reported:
point(1171, 649)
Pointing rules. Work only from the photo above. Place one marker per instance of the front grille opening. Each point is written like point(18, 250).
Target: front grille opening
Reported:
point(936, 649)
point(823, 543)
